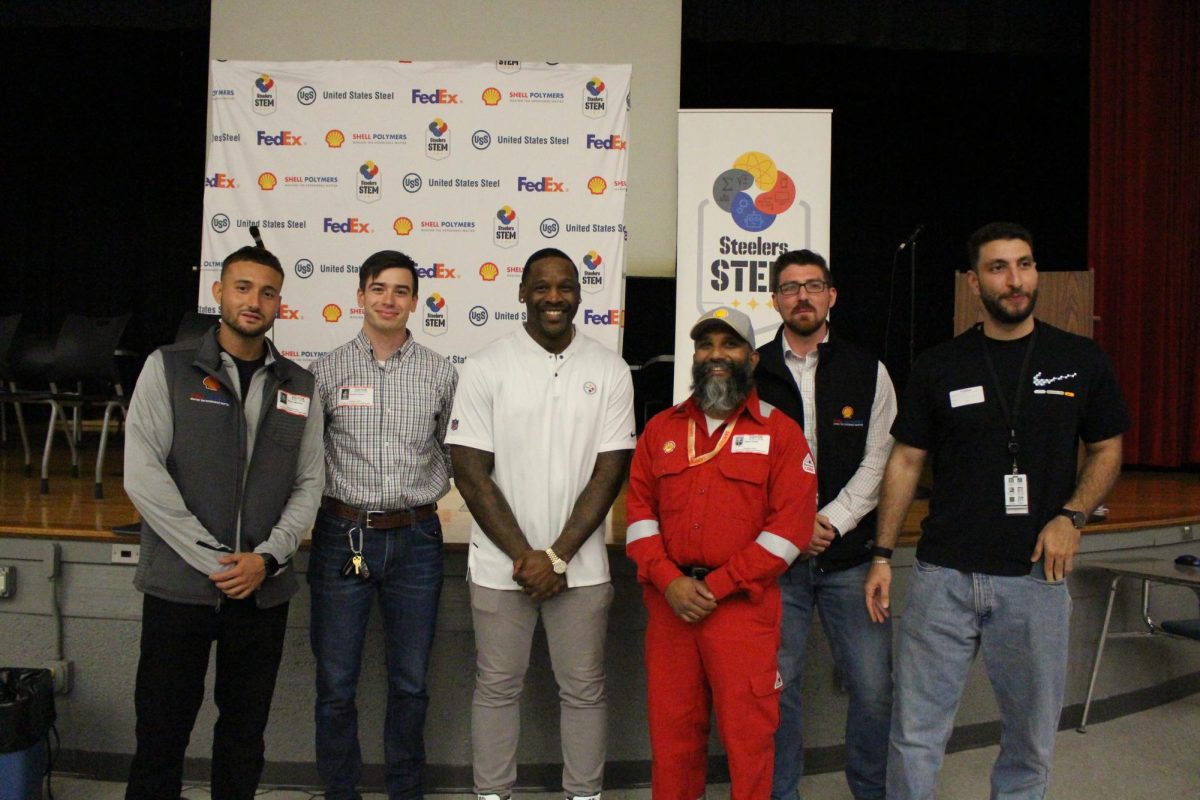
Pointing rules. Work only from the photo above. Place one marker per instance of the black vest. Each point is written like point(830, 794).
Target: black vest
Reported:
point(845, 393)
point(208, 460)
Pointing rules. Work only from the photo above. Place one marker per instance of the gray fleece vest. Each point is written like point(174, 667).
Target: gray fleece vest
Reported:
point(208, 462)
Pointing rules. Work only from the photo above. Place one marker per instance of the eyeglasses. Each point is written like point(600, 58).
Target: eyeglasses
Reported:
point(815, 286)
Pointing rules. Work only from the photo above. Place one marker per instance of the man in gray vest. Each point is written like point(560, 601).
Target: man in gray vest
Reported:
point(224, 461)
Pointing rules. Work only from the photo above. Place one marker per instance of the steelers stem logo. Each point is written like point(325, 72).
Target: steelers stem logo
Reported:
point(773, 191)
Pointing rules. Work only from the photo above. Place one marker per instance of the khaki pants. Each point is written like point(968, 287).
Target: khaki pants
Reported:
point(576, 622)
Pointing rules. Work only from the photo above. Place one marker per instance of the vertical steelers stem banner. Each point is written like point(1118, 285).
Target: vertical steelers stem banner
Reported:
point(752, 186)
point(466, 167)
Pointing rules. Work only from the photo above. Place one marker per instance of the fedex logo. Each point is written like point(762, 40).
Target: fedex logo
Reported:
point(220, 181)
point(545, 184)
point(287, 312)
point(283, 138)
point(437, 271)
point(614, 142)
point(613, 316)
point(352, 225)
point(437, 96)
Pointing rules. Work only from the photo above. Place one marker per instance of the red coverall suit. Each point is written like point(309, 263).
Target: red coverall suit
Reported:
point(746, 513)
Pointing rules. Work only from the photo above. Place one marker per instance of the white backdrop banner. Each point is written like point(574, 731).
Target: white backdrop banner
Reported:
point(752, 186)
point(466, 167)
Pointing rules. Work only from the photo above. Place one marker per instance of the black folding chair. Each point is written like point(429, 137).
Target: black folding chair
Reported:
point(85, 357)
point(8, 388)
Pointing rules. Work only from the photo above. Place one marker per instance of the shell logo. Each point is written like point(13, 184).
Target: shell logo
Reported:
point(669, 447)
point(488, 271)
point(847, 412)
point(332, 312)
point(211, 383)
point(491, 96)
point(335, 138)
point(721, 313)
point(267, 181)
point(597, 185)
point(402, 226)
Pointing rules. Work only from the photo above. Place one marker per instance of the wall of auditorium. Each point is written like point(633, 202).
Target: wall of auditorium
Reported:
point(643, 33)
point(101, 629)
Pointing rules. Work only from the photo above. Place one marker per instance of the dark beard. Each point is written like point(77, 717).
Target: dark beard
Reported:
point(719, 396)
point(998, 312)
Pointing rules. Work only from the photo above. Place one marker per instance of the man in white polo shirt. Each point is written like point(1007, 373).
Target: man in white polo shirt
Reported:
point(540, 438)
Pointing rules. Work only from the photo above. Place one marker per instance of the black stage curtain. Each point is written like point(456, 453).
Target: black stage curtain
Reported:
point(103, 147)
point(945, 114)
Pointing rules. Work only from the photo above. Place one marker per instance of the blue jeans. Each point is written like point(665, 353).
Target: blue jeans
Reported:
point(862, 654)
point(406, 576)
point(1020, 624)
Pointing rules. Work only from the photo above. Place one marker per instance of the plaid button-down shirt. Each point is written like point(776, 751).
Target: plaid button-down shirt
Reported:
point(385, 424)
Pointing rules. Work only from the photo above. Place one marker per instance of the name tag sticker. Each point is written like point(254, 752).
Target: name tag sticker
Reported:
point(966, 397)
point(752, 443)
point(289, 403)
point(361, 396)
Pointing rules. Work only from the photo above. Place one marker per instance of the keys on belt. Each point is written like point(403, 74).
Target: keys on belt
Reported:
point(378, 520)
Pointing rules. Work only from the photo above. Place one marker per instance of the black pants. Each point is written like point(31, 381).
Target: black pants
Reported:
point(176, 640)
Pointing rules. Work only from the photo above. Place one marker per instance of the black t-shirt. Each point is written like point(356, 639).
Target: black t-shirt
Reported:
point(246, 370)
point(950, 409)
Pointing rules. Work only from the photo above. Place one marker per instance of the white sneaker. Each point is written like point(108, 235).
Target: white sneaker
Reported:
point(491, 797)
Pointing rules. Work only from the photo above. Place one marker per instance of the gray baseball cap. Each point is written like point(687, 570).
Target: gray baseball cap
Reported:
point(731, 318)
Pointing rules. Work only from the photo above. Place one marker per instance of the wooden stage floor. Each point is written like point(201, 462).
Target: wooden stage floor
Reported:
point(1140, 500)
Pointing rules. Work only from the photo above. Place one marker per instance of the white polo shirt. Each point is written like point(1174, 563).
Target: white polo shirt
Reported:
point(544, 417)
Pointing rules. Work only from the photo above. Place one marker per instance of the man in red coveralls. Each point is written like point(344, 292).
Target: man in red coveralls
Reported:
point(722, 494)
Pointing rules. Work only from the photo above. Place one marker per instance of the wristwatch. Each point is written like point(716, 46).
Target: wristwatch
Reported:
point(557, 563)
point(1078, 518)
point(271, 563)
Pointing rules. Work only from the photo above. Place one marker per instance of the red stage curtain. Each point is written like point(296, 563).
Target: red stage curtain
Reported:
point(1144, 217)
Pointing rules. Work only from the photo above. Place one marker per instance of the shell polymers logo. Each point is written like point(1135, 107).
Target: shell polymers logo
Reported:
point(435, 315)
point(267, 181)
point(335, 138)
point(754, 170)
point(491, 96)
point(402, 226)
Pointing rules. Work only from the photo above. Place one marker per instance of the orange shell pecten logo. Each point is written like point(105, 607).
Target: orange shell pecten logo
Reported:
point(488, 271)
point(335, 138)
point(491, 96)
point(211, 383)
point(597, 185)
point(332, 312)
point(847, 412)
point(402, 226)
point(267, 181)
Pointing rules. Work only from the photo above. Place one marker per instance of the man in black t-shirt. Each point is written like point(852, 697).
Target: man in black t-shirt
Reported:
point(1001, 408)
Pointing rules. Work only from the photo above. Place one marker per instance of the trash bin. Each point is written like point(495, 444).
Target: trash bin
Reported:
point(26, 714)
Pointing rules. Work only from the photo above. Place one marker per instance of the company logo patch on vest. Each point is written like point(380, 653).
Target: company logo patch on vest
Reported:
point(212, 393)
point(847, 420)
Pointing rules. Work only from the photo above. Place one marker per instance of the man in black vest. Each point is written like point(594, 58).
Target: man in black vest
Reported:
point(224, 461)
point(844, 400)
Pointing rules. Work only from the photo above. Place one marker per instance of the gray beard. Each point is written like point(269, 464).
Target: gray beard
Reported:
point(717, 397)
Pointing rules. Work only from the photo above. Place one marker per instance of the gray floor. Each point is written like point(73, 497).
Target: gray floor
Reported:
point(1153, 755)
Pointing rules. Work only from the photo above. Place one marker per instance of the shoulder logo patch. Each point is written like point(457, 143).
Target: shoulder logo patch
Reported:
point(809, 465)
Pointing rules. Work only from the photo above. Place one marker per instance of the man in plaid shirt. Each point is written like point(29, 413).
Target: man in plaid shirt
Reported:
point(387, 403)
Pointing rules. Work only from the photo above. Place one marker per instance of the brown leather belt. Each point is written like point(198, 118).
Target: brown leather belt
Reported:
point(378, 520)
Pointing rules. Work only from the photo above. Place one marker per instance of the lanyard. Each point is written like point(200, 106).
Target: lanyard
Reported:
point(1010, 417)
point(693, 459)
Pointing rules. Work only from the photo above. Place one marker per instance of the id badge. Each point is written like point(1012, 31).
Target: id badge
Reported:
point(1016, 494)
